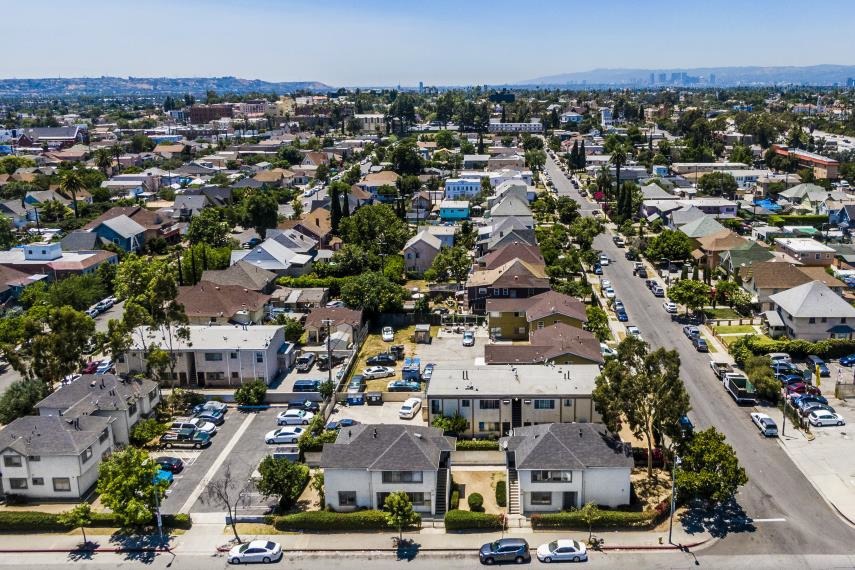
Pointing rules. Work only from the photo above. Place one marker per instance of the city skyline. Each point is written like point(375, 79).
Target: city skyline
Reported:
point(441, 43)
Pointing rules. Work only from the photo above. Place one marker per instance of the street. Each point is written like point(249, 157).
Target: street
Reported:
point(790, 517)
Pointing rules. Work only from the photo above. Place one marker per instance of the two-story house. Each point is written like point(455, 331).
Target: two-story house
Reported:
point(367, 462)
point(420, 251)
point(125, 400)
point(52, 457)
point(766, 278)
point(810, 312)
point(515, 318)
point(515, 279)
point(557, 467)
point(807, 251)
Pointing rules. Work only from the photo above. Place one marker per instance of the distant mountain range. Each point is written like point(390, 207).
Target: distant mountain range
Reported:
point(700, 76)
point(57, 86)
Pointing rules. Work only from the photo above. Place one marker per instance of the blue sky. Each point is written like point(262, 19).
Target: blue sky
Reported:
point(388, 42)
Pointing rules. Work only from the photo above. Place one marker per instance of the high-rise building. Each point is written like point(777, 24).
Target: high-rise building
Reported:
point(712, 78)
point(652, 78)
point(850, 82)
point(421, 87)
point(663, 77)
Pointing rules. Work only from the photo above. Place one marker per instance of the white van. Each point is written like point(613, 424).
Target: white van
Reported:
point(410, 408)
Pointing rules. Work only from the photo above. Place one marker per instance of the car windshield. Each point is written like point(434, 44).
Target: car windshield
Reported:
point(553, 545)
point(270, 545)
point(243, 547)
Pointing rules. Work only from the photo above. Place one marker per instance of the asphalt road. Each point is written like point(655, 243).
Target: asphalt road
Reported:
point(776, 489)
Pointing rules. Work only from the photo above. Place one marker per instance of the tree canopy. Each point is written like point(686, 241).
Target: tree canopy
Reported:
point(691, 293)
point(126, 485)
point(450, 264)
point(709, 468)
point(376, 228)
point(669, 244)
point(374, 293)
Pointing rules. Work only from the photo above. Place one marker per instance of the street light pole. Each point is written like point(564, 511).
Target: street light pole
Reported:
point(676, 464)
point(328, 323)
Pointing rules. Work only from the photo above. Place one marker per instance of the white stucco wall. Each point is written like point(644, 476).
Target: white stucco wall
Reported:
point(607, 486)
point(368, 484)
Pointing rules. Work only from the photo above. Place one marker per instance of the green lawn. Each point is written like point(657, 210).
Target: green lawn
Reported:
point(735, 329)
point(710, 345)
point(722, 313)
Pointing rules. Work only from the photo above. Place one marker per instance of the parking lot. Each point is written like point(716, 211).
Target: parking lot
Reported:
point(446, 350)
point(385, 414)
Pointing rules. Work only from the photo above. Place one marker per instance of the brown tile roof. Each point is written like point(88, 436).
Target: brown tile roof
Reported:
point(206, 299)
point(513, 274)
point(317, 157)
point(380, 178)
point(778, 275)
point(547, 344)
point(721, 241)
point(338, 316)
point(523, 251)
point(316, 222)
point(551, 303)
point(96, 258)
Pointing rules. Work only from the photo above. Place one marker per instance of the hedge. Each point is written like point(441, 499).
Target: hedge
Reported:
point(467, 520)
point(34, 521)
point(604, 519)
point(476, 502)
point(332, 521)
point(795, 220)
point(455, 500)
point(501, 493)
point(829, 348)
point(477, 445)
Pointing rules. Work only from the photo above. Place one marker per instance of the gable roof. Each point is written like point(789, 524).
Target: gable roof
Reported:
point(207, 299)
point(79, 240)
point(338, 315)
point(653, 191)
point(52, 435)
point(146, 218)
point(701, 227)
point(799, 191)
point(567, 446)
point(547, 344)
point(91, 393)
point(242, 274)
point(721, 241)
point(271, 255)
point(316, 222)
point(511, 206)
point(516, 250)
point(813, 299)
point(513, 274)
point(426, 237)
point(386, 447)
point(381, 178)
point(552, 302)
point(685, 214)
point(124, 226)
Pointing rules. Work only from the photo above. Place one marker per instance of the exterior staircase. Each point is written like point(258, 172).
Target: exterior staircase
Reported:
point(441, 492)
point(513, 492)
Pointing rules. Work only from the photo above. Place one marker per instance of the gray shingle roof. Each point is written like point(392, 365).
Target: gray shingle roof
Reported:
point(566, 446)
point(90, 393)
point(813, 299)
point(79, 240)
point(52, 435)
point(386, 447)
point(124, 226)
point(241, 273)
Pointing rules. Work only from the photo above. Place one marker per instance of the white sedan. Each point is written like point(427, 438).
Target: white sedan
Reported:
point(609, 293)
point(633, 330)
point(388, 334)
point(564, 550)
point(825, 418)
point(410, 408)
point(288, 434)
point(670, 306)
point(765, 424)
point(294, 417)
point(264, 551)
point(377, 372)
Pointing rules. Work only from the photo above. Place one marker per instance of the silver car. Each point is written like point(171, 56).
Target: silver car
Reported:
point(264, 551)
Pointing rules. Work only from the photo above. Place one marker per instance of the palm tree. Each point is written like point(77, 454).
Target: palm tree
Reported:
point(117, 152)
point(71, 183)
point(103, 159)
point(618, 158)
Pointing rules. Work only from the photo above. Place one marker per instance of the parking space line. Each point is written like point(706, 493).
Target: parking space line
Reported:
point(191, 500)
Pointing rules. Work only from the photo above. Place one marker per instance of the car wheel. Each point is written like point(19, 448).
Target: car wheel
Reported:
point(235, 561)
point(168, 446)
point(547, 559)
point(266, 560)
point(576, 559)
point(196, 446)
point(519, 559)
point(269, 442)
point(305, 423)
point(840, 423)
point(488, 561)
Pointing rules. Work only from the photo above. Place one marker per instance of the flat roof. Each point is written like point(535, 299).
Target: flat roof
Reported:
point(213, 337)
point(522, 380)
point(803, 244)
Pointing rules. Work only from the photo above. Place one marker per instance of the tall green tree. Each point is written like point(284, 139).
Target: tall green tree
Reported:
point(262, 212)
point(337, 190)
point(20, 398)
point(376, 228)
point(598, 323)
point(618, 159)
point(718, 184)
point(669, 244)
point(103, 159)
point(709, 468)
point(692, 294)
point(643, 389)
point(282, 478)
point(70, 183)
point(399, 512)
point(450, 264)
point(127, 485)
point(210, 227)
point(374, 293)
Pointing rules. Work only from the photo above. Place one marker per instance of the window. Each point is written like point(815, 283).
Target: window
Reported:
point(259, 357)
point(539, 325)
point(402, 476)
point(568, 403)
point(38, 481)
point(132, 409)
point(213, 357)
point(233, 355)
point(121, 358)
point(34, 458)
point(505, 292)
point(488, 404)
point(87, 454)
point(541, 498)
point(497, 292)
point(495, 314)
point(823, 320)
point(488, 426)
point(152, 395)
point(843, 321)
point(435, 407)
point(544, 404)
point(347, 498)
point(417, 499)
point(13, 460)
point(551, 476)
point(812, 320)
point(103, 437)
point(215, 375)
point(465, 403)
point(61, 484)
point(482, 290)
point(17, 483)
point(234, 375)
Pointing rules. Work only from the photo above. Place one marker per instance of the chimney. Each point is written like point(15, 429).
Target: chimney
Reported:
point(374, 435)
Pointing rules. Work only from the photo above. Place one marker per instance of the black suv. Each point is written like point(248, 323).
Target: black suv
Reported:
point(382, 359)
point(505, 550)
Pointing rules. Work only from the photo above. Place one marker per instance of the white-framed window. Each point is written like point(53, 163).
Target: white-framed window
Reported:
point(541, 498)
point(13, 461)
point(213, 357)
point(544, 404)
point(347, 498)
point(488, 404)
point(551, 476)
point(61, 484)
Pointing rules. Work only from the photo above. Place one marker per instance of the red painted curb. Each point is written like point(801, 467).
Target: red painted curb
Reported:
point(73, 550)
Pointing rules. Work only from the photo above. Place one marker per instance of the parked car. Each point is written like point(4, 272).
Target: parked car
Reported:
point(337, 304)
point(670, 306)
point(651, 283)
point(765, 424)
point(211, 405)
point(848, 360)
point(562, 550)
point(798, 400)
point(306, 386)
point(505, 550)
point(427, 373)
point(382, 359)
point(811, 407)
point(633, 330)
point(194, 423)
point(468, 338)
point(403, 386)
point(700, 344)
point(691, 331)
point(814, 362)
point(105, 304)
point(609, 292)
point(781, 367)
point(294, 416)
point(618, 305)
point(780, 357)
point(686, 425)
point(641, 272)
point(305, 361)
point(357, 383)
point(825, 418)
point(342, 423)
point(91, 367)
point(211, 416)
point(607, 351)
point(787, 379)
point(324, 361)
point(604, 259)
point(658, 291)
point(104, 367)
point(598, 269)
point(185, 438)
point(622, 316)
point(171, 464)
point(308, 405)
point(287, 434)
point(93, 311)
point(410, 408)
point(802, 388)
point(373, 372)
point(265, 551)
point(388, 334)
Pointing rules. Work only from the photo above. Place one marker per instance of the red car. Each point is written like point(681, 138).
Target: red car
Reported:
point(802, 388)
point(91, 367)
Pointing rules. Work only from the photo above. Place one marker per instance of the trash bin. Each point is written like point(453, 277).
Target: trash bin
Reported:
point(374, 398)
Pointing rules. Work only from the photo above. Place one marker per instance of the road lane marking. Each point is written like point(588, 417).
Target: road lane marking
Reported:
point(197, 492)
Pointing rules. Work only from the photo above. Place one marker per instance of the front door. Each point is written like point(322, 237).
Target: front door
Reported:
point(516, 412)
point(506, 428)
point(569, 501)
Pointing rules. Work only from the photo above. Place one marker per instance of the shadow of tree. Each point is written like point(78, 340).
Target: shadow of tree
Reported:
point(718, 520)
point(138, 547)
point(406, 549)
point(85, 551)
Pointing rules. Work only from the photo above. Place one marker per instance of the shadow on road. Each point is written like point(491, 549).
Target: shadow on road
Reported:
point(406, 549)
point(139, 548)
point(718, 520)
point(83, 552)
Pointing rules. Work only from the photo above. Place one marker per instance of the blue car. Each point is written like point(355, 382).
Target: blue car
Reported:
point(342, 423)
point(848, 360)
point(622, 316)
point(164, 476)
point(598, 270)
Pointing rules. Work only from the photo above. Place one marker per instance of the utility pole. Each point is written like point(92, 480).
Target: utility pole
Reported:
point(328, 323)
point(676, 464)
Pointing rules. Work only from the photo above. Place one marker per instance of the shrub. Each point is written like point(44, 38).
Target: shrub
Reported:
point(147, 430)
point(455, 500)
point(502, 493)
point(332, 521)
point(743, 348)
point(35, 522)
point(605, 519)
point(182, 399)
point(467, 520)
point(477, 445)
point(251, 393)
point(476, 502)
point(810, 220)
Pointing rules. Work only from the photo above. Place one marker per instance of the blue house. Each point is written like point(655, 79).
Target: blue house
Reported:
point(846, 215)
point(121, 231)
point(452, 210)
